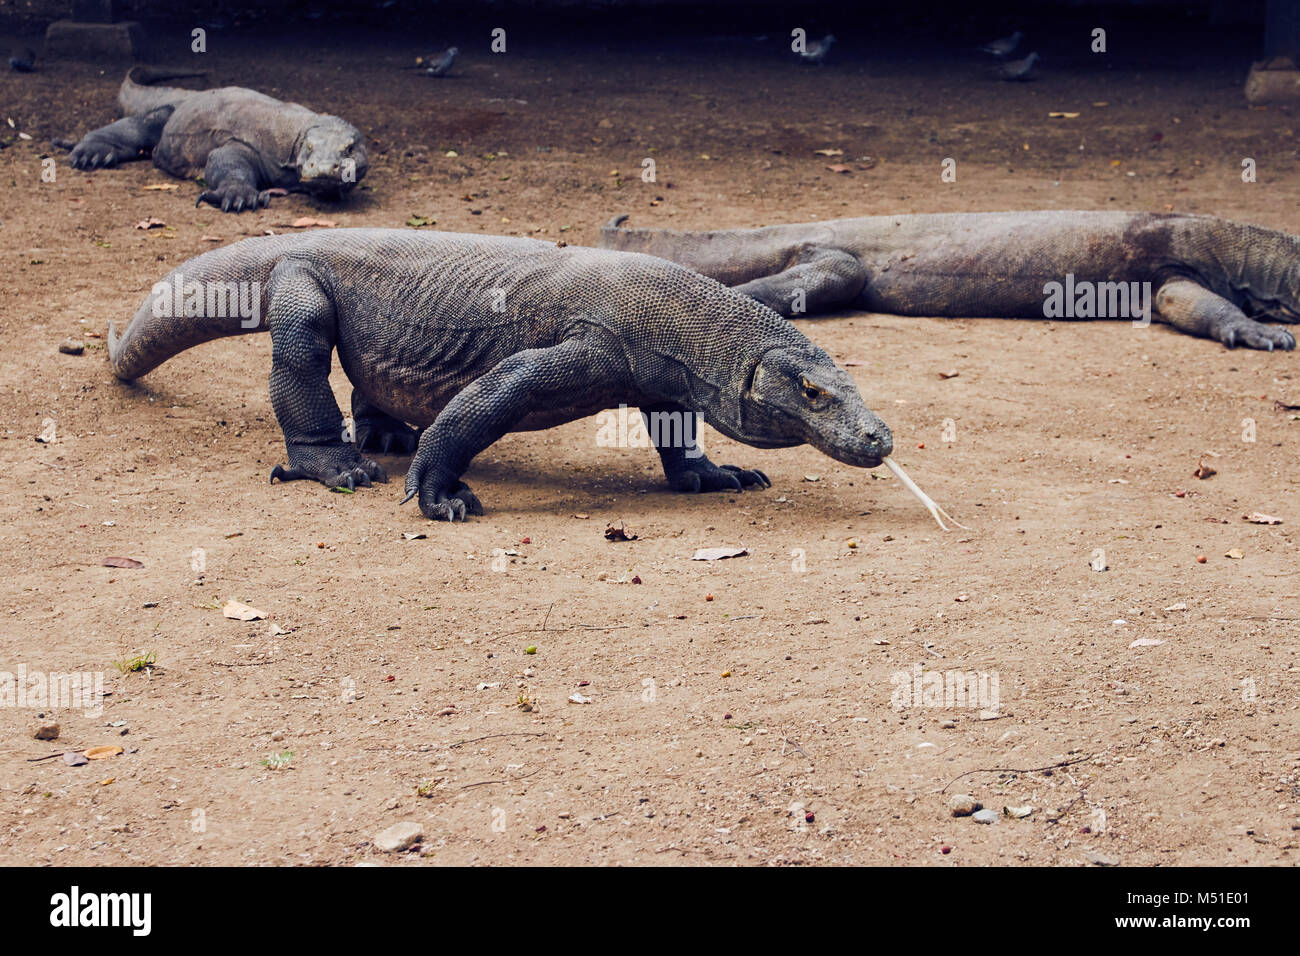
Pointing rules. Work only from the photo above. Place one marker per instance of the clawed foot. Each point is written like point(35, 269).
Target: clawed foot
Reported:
point(235, 197)
point(1255, 335)
point(386, 435)
point(453, 502)
point(703, 475)
point(334, 466)
point(97, 152)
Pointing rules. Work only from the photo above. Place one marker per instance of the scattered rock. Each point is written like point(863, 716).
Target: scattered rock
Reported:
point(1100, 859)
point(46, 732)
point(72, 347)
point(400, 836)
point(963, 804)
point(984, 816)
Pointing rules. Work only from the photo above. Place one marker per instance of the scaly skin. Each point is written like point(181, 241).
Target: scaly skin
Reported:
point(1209, 277)
point(244, 143)
point(470, 337)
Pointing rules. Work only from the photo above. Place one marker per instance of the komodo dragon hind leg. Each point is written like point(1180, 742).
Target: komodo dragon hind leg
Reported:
point(232, 178)
point(818, 279)
point(127, 139)
point(378, 431)
point(1193, 309)
point(672, 430)
point(303, 333)
point(576, 373)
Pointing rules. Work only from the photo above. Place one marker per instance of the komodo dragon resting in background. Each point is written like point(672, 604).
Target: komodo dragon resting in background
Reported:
point(243, 142)
point(476, 336)
point(1204, 271)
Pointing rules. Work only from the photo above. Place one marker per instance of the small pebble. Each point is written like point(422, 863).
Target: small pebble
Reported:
point(963, 804)
point(46, 732)
point(71, 347)
point(400, 836)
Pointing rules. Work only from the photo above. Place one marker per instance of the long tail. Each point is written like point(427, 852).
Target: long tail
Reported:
point(138, 94)
point(215, 295)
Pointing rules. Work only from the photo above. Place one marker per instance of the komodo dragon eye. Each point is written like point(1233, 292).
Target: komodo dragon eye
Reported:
point(811, 392)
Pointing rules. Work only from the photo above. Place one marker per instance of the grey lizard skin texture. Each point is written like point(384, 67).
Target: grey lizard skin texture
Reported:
point(1209, 277)
point(470, 337)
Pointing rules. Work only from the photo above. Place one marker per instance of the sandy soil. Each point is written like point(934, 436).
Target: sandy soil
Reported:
point(740, 711)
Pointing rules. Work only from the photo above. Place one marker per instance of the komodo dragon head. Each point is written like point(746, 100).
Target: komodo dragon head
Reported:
point(796, 395)
point(330, 158)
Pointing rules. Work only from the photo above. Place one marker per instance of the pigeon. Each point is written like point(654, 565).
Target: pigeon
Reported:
point(1004, 46)
point(817, 50)
point(24, 60)
point(439, 64)
point(1016, 69)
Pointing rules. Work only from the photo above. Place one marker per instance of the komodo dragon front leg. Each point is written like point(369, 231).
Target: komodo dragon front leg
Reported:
point(129, 138)
point(231, 173)
point(578, 373)
point(816, 279)
point(304, 331)
point(685, 464)
point(1194, 309)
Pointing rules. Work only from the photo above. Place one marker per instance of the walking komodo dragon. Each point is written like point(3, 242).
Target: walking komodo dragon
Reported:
point(1203, 275)
point(243, 142)
point(476, 336)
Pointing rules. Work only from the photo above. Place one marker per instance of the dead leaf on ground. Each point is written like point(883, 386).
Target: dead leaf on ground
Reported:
point(100, 753)
point(160, 186)
point(307, 222)
point(242, 612)
point(829, 152)
point(1204, 471)
point(618, 534)
point(1056, 114)
point(150, 223)
point(122, 563)
point(1235, 553)
point(836, 168)
point(717, 554)
point(1258, 517)
point(952, 374)
point(1146, 642)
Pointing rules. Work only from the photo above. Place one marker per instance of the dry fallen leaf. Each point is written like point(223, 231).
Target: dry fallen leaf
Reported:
point(100, 753)
point(716, 554)
point(839, 169)
point(307, 222)
point(242, 612)
point(1059, 115)
point(1258, 517)
point(122, 563)
point(618, 534)
point(952, 374)
point(150, 223)
point(1146, 642)
point(829, 152)
point(1204, 471)
point(158, 186)
point(1235, 553)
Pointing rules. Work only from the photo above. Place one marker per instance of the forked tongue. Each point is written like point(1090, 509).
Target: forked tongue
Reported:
point(935, 511)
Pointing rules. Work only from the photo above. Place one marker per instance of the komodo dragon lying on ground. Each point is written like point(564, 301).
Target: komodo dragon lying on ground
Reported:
point(1204, 270)
point(476, 336)
point(244, 142)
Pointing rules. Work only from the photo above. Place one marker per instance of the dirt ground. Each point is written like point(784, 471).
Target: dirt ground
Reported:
point(739, 711)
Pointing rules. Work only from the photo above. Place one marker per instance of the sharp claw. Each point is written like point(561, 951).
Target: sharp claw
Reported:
point(409, 495)
point(365, 480)
point(278, 472)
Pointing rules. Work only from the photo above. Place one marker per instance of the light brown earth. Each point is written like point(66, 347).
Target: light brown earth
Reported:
point(713, 725)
